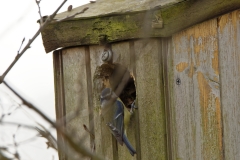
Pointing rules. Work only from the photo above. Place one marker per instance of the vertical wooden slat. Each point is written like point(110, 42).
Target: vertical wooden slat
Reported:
point(229, 50)
point(59, 98)
point(150, 100)
point(165, 48)
point(76, 93)
point(121, 55)
point(136, 113)
point(103, 137)
point(90, 97)
point(195, 96)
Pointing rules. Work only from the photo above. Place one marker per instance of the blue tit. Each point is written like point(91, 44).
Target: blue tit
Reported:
point(116, 117)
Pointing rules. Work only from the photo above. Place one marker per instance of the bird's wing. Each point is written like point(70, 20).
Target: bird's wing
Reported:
point(118, 121)
point(119, 115)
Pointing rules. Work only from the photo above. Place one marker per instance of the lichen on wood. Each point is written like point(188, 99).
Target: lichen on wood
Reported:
point(132, 25)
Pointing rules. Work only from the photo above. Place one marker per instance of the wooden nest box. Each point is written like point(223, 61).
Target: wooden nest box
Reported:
point(183, 60)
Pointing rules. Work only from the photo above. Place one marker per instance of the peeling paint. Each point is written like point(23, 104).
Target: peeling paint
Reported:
point(197, 99)
point(181, 66)
point(211, 117)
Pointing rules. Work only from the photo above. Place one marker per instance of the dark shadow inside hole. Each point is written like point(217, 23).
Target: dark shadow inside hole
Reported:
point(128, 94)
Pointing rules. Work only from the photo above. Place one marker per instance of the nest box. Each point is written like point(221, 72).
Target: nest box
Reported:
point(177, 59)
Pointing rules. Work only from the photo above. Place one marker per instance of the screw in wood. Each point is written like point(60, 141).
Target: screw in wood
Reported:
point(106, 55)
point(178, 81)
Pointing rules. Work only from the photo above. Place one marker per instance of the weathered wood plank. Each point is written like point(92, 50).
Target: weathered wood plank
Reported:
point(166, 61)
point(229, 50)
point(76, 93)
point(103, 137)
point(195, 97)
point(90, 97)
point(121, 55)
point(150, 98)
point(131, 25)
point(114, 7)
point(59, 99)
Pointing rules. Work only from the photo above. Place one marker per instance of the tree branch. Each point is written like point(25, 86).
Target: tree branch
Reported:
point(72, 16)
point(39, 11)
point(21, 45)
point(77, 147)
point(48, 20)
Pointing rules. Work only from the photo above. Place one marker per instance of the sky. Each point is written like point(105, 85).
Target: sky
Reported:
point(32, 75)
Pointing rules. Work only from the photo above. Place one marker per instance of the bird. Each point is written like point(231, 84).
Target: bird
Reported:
point(116, 117)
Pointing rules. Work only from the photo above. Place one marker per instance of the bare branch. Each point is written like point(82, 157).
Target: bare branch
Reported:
point(16, 154)
point(77, 147)
point(39, 11)
point(28, 127)
point(48, 20)
point(52, 142)
point(2, 156)
point(86, 129)
point(29, 105)
point(24, 141)
point(21, 45)
point(72, 16)
point(16, 124)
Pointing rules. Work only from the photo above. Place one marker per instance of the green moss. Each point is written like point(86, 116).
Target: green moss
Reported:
point(175, 10)
point(176, 17)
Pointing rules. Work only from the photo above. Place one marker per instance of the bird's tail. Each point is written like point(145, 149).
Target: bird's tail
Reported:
point(128, 145)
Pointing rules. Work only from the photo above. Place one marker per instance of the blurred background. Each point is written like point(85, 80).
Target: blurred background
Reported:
point(32, 77)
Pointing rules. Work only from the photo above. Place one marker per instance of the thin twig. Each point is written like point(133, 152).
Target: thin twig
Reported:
point(69, 117)
point(52, 142)
point(16, 154)
point(28, 127)
point(24, 141)
point(77, 147)
point(86, 129)
point(21, 45)
point(29, 105)
point(2, 156)
point(16, 124)
point(72, 16)
point(48, 20)
point(39, 11)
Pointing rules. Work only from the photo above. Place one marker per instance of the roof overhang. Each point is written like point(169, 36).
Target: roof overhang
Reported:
point(119, 20)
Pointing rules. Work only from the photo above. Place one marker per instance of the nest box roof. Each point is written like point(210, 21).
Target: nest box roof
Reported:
point(118, 20)
point(115, 7)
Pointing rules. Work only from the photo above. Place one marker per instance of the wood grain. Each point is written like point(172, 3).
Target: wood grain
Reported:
point(76, 93)
point(90, 97)
point(59, 98)
point(195, 93)
point(229, 49)
point(165, 49)
point(176, 14)
point(150, 99)
point(121, 55)
point(103, 137)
